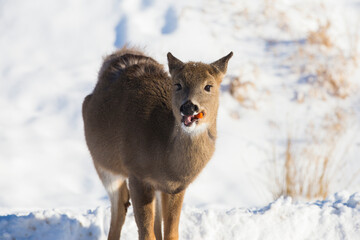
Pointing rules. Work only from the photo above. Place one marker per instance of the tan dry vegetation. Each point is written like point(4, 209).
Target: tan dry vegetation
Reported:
point(328, 66)
point(240, 91)
point(309, 171)
point(270, 11)
point(243, 88)
point(326, 62)
point(321, 36)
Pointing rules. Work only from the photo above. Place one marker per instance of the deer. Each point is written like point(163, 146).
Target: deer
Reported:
point(150, 134)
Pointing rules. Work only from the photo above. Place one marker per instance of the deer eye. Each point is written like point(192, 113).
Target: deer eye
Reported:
point(207, 88)
point(178, 87)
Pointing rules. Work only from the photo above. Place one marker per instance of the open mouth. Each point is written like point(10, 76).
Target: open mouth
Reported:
point(189, 120)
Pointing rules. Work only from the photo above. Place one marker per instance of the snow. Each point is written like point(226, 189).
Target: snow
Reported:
point(337, 217)
point(51, 52)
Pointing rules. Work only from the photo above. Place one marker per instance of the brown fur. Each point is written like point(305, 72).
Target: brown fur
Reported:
point(133, 129)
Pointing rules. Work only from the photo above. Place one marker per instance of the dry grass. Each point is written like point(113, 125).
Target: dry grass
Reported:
point(310, 170)
point(321, 36)
point(327, 66)
point(240, 91)
point(243, 88)
point(326, 56)
point(308, 178)
point(334, 81)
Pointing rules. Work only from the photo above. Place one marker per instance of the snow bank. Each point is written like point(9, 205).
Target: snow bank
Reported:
point(338, 217)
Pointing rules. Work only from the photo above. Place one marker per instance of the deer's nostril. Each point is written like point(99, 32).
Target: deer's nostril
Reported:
point(182, 108)
point(188, 108)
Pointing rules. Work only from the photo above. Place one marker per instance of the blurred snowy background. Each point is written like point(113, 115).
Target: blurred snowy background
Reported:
point(290, 108)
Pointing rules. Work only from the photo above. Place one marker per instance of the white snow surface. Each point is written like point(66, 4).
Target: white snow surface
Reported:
point(51, 52)
point(337, 217)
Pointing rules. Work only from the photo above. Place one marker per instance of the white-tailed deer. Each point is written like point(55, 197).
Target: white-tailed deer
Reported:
point(154, 130)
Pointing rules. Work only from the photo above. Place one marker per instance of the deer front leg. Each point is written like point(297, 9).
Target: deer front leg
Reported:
point(171, 207)
point(119, 205)
point(142, 197)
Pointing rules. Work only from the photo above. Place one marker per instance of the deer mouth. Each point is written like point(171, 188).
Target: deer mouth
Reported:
point(189, 120)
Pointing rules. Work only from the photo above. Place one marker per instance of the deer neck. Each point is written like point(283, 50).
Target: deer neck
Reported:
point(189, 153)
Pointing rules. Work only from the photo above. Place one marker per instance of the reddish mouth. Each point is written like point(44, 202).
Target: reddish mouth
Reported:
point(189, 120)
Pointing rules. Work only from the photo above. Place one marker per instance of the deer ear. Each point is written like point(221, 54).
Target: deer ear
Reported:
point(174, 63)
point(221, 64)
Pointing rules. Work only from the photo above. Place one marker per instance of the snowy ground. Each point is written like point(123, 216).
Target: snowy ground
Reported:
point(338, 217)
point(297, 61)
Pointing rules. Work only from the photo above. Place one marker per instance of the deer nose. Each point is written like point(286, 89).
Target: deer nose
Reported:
point(188, 108)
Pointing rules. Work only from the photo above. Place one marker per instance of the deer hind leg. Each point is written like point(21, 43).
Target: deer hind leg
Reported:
point(171, 209)
point(115, 185)
point(142, 198)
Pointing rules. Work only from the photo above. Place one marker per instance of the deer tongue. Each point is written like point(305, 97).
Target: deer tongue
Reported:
point(188, 120)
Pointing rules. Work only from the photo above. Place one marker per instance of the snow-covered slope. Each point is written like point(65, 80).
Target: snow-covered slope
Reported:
point(338, 217)
point(290, 96)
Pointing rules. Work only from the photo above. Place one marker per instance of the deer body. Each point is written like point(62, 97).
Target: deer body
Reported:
point(140, 124)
